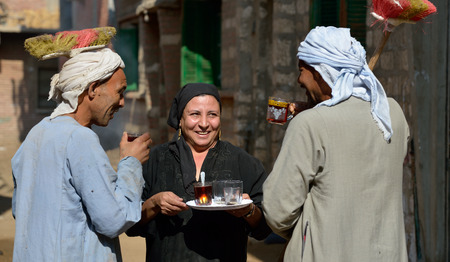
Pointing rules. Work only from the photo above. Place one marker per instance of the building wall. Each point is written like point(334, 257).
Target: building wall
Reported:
point(125, 9)
point(269, 34)
point(14, 97)
point(430, 109)
point(18, 73)
point(170, 43)
point(153, 71)
point(25, 15)
point(89, 14)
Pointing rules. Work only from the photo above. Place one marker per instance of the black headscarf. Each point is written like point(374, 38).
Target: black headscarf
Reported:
point(185, 95)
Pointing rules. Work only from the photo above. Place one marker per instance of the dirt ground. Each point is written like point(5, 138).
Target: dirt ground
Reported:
point(133, 248)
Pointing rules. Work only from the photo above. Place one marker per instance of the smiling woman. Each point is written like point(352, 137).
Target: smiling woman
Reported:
point(175, 232)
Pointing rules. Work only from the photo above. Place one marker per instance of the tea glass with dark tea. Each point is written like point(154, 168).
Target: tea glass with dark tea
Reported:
point(278, 110)
point(203, 193)
point(133, 136)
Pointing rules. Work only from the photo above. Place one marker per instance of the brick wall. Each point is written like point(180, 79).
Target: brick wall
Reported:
point(23, 15)
point(260, 64)
point(18, 83)
point(17, 5)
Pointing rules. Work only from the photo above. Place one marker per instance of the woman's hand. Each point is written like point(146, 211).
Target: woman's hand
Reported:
point(166, 203)
point(169, 203)
point(251, 213)
point(241, 211)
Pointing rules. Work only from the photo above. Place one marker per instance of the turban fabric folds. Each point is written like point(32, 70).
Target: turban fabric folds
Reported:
point(77, 74)
point(341, 61)
point(185, 95)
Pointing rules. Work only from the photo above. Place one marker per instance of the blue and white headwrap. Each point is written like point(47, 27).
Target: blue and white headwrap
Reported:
point(341, 61)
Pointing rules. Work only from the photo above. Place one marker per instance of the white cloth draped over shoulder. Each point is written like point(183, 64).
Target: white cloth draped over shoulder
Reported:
point(341, 61)
point(76, 75)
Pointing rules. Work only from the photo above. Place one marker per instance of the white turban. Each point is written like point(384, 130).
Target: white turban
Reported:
point(77, 74)
point(341, 61)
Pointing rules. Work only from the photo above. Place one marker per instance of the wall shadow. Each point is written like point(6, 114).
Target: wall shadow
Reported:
point(5, 204)
point(25, 86)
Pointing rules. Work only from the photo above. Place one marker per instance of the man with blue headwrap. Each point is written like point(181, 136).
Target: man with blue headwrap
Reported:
point(335, 191)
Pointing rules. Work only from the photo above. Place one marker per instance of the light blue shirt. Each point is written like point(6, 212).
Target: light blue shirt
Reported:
point(68, 201)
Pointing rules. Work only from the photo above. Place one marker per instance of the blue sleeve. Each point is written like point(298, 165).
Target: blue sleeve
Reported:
point(112, 200)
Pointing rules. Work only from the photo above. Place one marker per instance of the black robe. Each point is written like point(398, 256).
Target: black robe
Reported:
point(197, 235)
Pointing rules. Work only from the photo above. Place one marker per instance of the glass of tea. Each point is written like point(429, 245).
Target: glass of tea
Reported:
point(203, 193)
point(277, 110)
point(133, 136)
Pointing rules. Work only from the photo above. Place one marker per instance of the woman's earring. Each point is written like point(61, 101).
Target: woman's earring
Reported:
point(179, 133)
point(220, 133)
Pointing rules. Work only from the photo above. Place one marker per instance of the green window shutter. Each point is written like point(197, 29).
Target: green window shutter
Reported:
point(126, 45)
point(330, 13)
point(200, 51)
point(356, 19)
point(324, 13)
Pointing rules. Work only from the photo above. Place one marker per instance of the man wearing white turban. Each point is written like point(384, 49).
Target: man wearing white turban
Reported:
point(335, 191)
point(68, 201)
